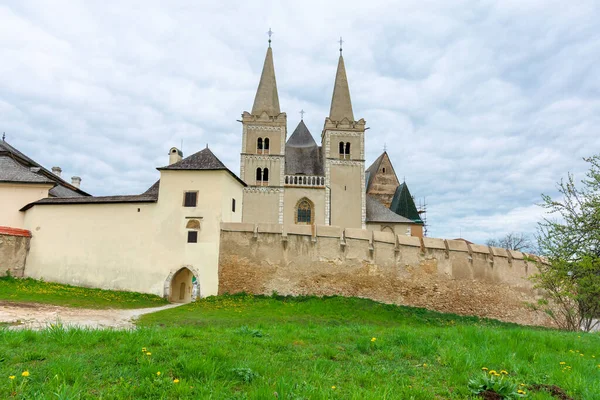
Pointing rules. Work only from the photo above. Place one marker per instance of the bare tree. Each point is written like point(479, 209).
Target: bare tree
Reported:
point(514, 241)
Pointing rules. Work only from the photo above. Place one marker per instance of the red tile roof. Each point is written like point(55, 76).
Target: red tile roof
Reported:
point(6, 230)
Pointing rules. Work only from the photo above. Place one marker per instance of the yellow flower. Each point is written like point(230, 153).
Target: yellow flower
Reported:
point(424, 365)
point(504, 372)
point(143, 349)
point(333, 387)
point(11, 377)
point(25, 373)
point(492, 372)
point(158, 373)
point(373, 339)
point(484, 368)
point(148, 354)
point(521, 391)
point(175, 380)
point(562, 363)
point(522, 384)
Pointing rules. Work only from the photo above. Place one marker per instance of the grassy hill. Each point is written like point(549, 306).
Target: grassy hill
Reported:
point(246, 347)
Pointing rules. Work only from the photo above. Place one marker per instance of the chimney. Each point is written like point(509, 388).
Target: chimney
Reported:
point(56, 171)
point(76, 181)
point(175, 155)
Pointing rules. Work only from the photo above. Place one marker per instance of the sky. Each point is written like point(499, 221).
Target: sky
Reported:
point(483, 105)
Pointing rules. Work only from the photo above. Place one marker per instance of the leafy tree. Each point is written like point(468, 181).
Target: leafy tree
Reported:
point(514, 241)
point(570, 243)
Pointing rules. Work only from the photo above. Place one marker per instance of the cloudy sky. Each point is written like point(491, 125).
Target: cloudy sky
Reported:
point(483, 104)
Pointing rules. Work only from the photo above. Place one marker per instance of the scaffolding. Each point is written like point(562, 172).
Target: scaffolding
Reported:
point(422, 210)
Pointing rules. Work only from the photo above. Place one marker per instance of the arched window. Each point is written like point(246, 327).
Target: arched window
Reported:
point(265, 175)
point(304, 212)
point(341, 149)
point(258, 175)
point(259, 145)
point(347, 149)
point(193, 224)
point(266, 146)
point(344, 150)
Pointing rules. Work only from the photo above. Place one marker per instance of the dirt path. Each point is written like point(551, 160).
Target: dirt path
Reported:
point(39, 316)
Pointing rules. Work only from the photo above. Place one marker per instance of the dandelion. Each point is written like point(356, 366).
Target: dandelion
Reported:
point(175, 380)
point(11, 377)
point(143, 350)
point(424, 365)
point(562, 363)
point(492, 372)
point(158, 373)
point(25, 373)
point(522, 384)
point(148, 354)
point(333, 387)
point(521, 391)
point(373, 339)
point(504, 372)
point(484, 368)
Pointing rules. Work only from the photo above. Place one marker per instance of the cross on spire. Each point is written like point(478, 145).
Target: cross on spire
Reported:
point(385, 147)
point(270, 33)
point(341, 42)
point(4, 136)
point(302, 112)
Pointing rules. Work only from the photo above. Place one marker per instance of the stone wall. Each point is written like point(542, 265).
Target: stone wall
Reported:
point(14, 245)
point(443, 275)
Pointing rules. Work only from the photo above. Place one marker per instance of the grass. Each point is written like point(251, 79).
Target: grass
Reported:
point(246, 347)
point(37, 291)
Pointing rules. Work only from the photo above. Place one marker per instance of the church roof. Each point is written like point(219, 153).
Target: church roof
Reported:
point(372, 170)
point(267, 99)
point(136, 198)
point(18, 168)
point(404, 205)
point(341, 105)
point(302, 155)
point(377, 212)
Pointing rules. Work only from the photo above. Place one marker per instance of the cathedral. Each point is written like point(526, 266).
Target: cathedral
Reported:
point(296, 181)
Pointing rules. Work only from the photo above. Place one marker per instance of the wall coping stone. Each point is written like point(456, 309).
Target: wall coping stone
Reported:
point(384, 237)
point(357, 233)
point(517, 255)
point(457, 245)
point(305, 230)
point(413, 241)
point(329, 231)
point(270, 228)
point(433, 243)
point(499, 252)
point(7, 230)
point(479, 248)
point(237, 227)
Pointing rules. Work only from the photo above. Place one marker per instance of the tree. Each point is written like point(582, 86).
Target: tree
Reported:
point(570, 242)
point(513, 241)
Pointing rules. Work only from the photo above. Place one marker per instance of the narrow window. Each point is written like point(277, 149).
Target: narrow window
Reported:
point(347, 153)
point(192, 237)
point(232, 205)
point(190, 199)
point(304, 212)
point(341, 149)
point(384, 170)
point(266, 146)
point(258, 174)
point(259, 145)
point(265, 175)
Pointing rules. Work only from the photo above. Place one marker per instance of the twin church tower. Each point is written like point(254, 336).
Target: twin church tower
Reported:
point(293, 180)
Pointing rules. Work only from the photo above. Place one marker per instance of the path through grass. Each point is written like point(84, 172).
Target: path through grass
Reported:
point(245, 347)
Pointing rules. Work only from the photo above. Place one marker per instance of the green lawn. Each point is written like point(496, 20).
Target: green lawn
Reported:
point(245, 347)
point(35, 291)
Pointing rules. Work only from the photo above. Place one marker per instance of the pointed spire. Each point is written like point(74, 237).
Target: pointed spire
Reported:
point(267, 99)
point(341, 106)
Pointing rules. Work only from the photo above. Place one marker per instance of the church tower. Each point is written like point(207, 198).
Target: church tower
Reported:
point(263, 150)
point(344, 158)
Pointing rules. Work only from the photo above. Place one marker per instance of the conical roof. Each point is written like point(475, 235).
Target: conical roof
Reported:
point(267, 99)
point(301, 137)
point(341, 105)
point(404, 205)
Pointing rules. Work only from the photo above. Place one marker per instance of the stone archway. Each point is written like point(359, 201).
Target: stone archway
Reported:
point(182, 286)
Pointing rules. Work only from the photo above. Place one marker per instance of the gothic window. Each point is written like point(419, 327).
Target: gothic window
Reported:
point(266, 146)
point(304, 212)
point(259, 145)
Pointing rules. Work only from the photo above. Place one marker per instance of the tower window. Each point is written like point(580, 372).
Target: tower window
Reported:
point(192, 237)
point(344, 150)
point(266, 175)
point(383, 170)
point(262, 176)
point(259, 145)
point(304, 212)
point(266, 146)
point(190, 199)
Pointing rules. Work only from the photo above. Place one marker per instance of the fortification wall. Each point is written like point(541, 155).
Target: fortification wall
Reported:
point(443, 275)
point(14, 245)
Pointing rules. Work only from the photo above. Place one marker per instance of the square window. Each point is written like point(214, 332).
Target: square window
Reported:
point(192, 236)
point(190, 199)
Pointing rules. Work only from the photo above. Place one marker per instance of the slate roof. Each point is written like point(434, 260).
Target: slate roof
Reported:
point(377, 212)
point(204, 160)
point(137, 198)
point(404, 205)
point(17, 167)
point(302, 155)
